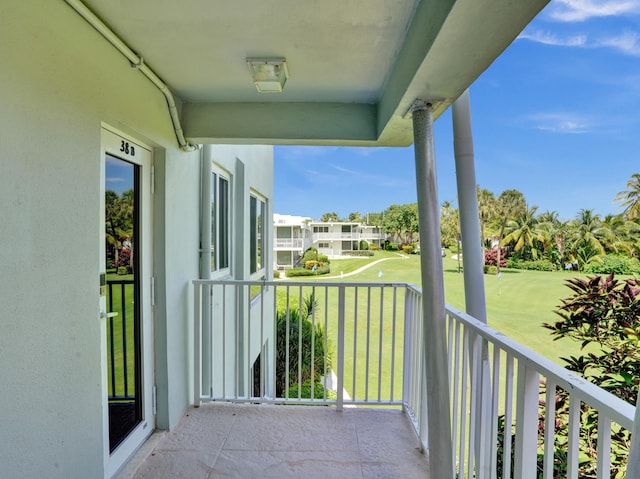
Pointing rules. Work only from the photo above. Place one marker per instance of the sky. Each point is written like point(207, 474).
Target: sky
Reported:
point(556, 116)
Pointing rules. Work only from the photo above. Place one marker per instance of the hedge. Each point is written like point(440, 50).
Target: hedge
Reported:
point(357, 253)
point(291, 273)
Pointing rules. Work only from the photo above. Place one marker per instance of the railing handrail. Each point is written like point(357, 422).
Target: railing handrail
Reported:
point(617, 409)
point(303, 283)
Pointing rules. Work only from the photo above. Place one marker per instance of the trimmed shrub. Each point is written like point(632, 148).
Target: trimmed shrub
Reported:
point(312, 255)
point(313, 264)
point(293, 272)
point(490, 269)
point(407, 248)
point(356, 253)
point(363, 245)
point(537, 265)
point(613, 263)
point(374, 247)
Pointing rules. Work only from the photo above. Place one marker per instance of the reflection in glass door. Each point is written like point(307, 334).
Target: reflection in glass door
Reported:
point(122, 201)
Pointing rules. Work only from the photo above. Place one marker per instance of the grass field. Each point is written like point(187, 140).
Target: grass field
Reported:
point(517, 304)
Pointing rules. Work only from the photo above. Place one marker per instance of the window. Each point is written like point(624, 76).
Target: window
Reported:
point(220, 215)
point(323, 245)
point(257, 212)
point(320, 229)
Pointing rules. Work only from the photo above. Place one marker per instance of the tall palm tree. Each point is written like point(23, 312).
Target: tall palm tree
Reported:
point(509, 204)
point(486, 210)
point(588, 237)
point(524, 233)
point(556, 233)
point(630, 198)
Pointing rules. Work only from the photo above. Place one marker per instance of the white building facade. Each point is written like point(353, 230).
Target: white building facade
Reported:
point(293, 235)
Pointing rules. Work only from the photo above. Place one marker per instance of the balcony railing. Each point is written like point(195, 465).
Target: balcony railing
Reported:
point(504, 419)
point(353, 236)
point(289, 243)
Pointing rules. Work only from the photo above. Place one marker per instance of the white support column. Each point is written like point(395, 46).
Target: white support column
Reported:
point(468, 204)
point(473, 272)
point(205, 268)
point(433, 314)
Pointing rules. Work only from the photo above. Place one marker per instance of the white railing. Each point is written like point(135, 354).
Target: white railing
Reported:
point(289, 243)
point(518, 414)
point(514, 413)
point(362, 330)
point(353, 236)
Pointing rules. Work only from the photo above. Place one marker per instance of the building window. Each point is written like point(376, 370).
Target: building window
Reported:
point(220, 215)
point(323, 245)
point(257, 212)
point(320, 229)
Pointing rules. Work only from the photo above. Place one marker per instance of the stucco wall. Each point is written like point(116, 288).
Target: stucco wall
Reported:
point(59, 81)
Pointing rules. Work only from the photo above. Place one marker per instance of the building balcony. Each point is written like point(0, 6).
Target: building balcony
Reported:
point(354, 236)
point(505, 416)
point(289, 244)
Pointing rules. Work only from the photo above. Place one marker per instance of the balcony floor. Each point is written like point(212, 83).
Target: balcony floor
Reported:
point(263, 441)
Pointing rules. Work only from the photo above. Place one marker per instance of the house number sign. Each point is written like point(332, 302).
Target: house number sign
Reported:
point(127, 148)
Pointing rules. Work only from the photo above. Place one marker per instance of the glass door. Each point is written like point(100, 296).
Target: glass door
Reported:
point(126, 303)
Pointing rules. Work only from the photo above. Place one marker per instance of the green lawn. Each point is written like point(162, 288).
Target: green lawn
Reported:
point(517, 304)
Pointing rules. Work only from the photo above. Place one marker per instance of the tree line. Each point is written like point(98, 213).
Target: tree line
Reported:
point(523, 233)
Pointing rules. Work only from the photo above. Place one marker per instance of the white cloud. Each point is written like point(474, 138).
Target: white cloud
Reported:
point(560, 123)
point(581, 10)
point(549, 38)
point(627, 42)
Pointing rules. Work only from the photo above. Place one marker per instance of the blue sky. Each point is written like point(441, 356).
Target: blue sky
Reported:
point(557, 116)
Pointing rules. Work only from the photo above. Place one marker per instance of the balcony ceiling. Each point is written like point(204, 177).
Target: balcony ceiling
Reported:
point(355, 66)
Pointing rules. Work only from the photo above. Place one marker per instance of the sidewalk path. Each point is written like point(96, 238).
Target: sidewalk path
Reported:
point(366, 266)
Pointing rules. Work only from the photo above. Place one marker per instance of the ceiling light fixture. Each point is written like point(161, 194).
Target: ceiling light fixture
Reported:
point(269, 74)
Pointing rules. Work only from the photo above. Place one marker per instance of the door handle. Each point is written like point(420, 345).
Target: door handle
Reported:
point(104, 315)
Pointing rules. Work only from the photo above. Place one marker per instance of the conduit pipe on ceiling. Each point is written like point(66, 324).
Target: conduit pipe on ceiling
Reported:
point(138, 63)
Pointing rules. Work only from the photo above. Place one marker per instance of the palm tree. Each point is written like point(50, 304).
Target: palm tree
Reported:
point(524, 233)
point(486, 210)
point(614, 233)
point(450, 227)
point(509, 204)
point(556, 233)
point(588, 236)
point(630, 198)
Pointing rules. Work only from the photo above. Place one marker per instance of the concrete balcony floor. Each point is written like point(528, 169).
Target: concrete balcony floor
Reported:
point(264, 441)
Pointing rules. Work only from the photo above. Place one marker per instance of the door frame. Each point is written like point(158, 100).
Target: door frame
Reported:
point(123, 146)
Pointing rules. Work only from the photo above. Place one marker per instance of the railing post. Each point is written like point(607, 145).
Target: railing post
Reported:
point(528, 391)
point(340, 387)
point(197, 342)
point(407, 350)
point(633, 468)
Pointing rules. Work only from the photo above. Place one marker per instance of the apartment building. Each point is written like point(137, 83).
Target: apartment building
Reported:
point(293, 235)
